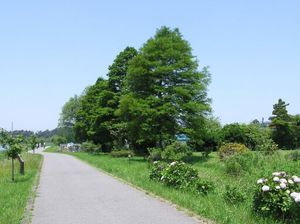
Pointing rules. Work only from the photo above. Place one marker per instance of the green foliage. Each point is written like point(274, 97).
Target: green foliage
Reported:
point(57, 140)
point(154, 154)
point(121, 153)
point(203, 187)
point(233, 167)
point(93, 119)
point(96, 119)
point(278, 196)
point(90, 147)
point(294, 155)
point(282, 130)
point(230, 149)
point(179, 175)
point(234, 195)
point(69, 111)
point(156, 171)
point(242, 163)
point(176, 151)
point(32, 141)
point(210, 139)
point(251, 135)
point(267, 146)
point(118, 70)
point(166, 93)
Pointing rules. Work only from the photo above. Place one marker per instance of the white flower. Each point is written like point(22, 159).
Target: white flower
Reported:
point(173, 163)
point(295, 195)
point(265, 188)
point(282, 185)
point(290, 181)
point(277, 187)
point(260, 181)
point(293, 177)
point(296, 180)
point(276, 179)
point(297, 199)
point(288, 191)
point(283, 180)
point(276, 174)
point(155, 162)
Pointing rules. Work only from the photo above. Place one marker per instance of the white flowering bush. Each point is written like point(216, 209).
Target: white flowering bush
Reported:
point(278, 196)
point(156, 170)
point(180, 175)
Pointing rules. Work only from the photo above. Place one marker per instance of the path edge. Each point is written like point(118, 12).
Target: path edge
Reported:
point(28, 211)
point(151, 194)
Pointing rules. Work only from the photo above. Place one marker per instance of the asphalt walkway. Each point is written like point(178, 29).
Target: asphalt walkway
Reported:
point(72, 192)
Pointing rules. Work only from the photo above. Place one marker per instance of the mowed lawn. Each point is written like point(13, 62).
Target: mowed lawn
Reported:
point(213, 206)
point(14, 195)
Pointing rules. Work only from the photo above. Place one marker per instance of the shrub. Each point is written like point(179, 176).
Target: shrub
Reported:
point(294, 155)
point(203, 187)
point(156, 170)
point(179, 175)
point(244, 162)
point(229, 149)
point(233, 195)
point(250, 135)
point(154, 154)
point(176, 151)
point(233, 167)
point(267, 146)
point(90, 147)
point(121, 153)
point(278, 196)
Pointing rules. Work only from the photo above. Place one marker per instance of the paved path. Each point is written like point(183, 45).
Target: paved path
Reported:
point(72, 192)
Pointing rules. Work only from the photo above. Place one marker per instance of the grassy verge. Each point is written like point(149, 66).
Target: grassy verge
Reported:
point(14, 195)
point(213, 206)
point(52, 148)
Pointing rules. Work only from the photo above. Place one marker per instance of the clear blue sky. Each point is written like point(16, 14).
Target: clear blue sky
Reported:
point(51, 50)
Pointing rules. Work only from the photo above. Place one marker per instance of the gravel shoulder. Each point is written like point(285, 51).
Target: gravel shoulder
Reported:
point(72, 192)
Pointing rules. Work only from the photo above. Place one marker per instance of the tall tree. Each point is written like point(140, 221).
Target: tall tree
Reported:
point(281, 125)
point(69, 111)
point(118, 70)
point(167, 93)
point(94, 115)
point(95, 119)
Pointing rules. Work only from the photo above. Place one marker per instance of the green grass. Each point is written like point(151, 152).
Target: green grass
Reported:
point(14, 195)
point(213, 206)
point(52, 148)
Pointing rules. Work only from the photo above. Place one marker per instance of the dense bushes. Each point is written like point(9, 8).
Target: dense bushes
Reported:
point(230, 149)
point(90, 147)
point(279, 196)
point(251, 135)
point(237, 164)
point(121, 153)
point(180, 175)
point(176, 152)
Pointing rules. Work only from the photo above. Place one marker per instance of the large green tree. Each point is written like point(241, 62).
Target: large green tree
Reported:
point(95, 119)
point(282, 132)
point(166, 92)
point(94, 115)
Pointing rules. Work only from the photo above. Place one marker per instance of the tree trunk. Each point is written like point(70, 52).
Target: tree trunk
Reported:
point(12, 170)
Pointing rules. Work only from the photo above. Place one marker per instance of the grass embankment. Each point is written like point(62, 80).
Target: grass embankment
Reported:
point(14, 195)
point(52, 148)
point(212, 206)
